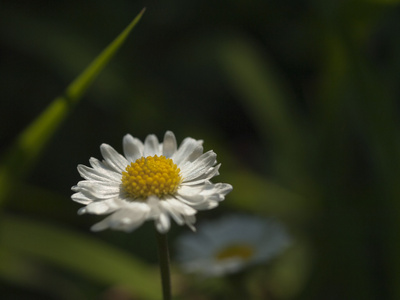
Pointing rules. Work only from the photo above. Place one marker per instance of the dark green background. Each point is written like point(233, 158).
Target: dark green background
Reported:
point(298, 98)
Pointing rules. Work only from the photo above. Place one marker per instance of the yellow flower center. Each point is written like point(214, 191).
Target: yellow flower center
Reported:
point(153, 175)
point(244, 252)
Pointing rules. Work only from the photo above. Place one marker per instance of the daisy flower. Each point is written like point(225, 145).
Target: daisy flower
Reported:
point(151, 181)
point(230, 244)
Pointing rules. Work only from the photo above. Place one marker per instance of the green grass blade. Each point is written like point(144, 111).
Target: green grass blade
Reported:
point(29, 144)
point(81, 254)
point(79, 86)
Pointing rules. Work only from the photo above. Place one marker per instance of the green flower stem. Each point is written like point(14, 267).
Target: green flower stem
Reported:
point(163, 255)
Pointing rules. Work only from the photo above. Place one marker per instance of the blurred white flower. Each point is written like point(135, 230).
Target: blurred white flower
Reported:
point(152, 181)
point(230, 244)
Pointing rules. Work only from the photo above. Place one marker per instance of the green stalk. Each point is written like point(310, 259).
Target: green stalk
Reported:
point(163, 255)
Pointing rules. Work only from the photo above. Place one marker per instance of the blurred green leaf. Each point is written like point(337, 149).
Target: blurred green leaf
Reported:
point(15, 270)
point(259, 85)
point(17, 162)
point(257, 194)
point(265, 95)
point(390, 2)
point(289, 272)
point(358, 133)
point(81, 254)
point(28, 274)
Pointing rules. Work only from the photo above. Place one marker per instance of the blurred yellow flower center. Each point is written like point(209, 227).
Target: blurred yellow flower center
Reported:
point(244, 252)
point(151, 175)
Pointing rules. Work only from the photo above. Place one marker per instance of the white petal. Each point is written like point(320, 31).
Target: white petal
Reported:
point(151, 146)
point(154, 204)
point(195, 201)
point(103, 168)
point(172, 212)
point(199, 203)
point(81, 198)
point(176, 209)
point(182, 208)
point(98, 174)
point(201, 165)
point(126, 219)
point(100, 207)
point(98, 190)
point(102, 225)
point(190, 220)
point(163, 223)
point(188, 190)
point(113, 158)
point(169, 144)
point(189, 150)
point(206, 176)
point(133, 148)
point(204, 196)
point(217, 191)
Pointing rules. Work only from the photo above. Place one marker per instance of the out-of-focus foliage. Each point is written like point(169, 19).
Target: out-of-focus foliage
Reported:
point(298, 98)
point(30, 143)
point(83, 254)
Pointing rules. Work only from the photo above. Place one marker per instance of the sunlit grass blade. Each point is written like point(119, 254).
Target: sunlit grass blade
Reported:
point(81, 254)
point(79, 86)
point(29, 144)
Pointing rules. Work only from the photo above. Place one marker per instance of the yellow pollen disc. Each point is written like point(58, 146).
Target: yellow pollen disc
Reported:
point(151, 175)
point(244, 252)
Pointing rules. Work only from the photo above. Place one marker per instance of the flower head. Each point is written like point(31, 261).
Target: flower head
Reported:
point(230, 244)
point(152, 181)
